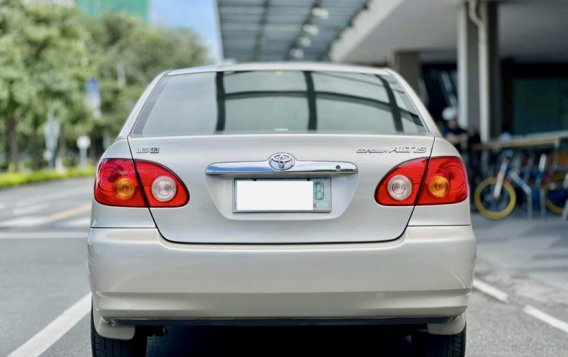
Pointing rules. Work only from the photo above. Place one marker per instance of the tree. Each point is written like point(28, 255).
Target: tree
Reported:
point(59, 66)
point(16, 89)
point(42, 68)
point(141, 49)
point(47, 53)
point(129, 54)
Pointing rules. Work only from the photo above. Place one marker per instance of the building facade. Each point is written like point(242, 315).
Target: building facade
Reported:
point(95, 8)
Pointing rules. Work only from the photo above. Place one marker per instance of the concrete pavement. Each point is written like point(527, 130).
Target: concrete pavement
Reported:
point(536, 248)
point(43, 229)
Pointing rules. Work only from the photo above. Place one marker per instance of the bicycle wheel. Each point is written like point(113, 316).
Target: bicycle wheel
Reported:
point(491, 207)
point(555, 194)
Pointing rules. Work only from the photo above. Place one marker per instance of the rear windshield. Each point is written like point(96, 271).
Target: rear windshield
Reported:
point(263, 102)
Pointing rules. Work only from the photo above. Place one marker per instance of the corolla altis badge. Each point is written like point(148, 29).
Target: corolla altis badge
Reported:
point(401, 149)
point(281, 161)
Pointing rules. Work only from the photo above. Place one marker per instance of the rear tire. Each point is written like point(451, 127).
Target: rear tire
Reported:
point(425, 344)
point(108, 347)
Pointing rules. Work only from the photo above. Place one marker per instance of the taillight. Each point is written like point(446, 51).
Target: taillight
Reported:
point(116, 184)
point(162, 187)
point(406, 177)
point(439, 180)
point(127, 183)
point(446, 182)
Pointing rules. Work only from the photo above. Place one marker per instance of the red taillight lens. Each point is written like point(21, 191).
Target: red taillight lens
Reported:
point(439, 180)
point(446, 182)
point(392, 189)
point(162, 187)
point(118, 184)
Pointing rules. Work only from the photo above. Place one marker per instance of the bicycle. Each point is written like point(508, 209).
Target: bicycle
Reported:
point(556, 193)
point(495, 197)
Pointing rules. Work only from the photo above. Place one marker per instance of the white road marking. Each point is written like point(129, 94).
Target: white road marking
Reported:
point(19, 211)
point(55, 330)
point(546, 318)
point(30, 221)
point(43, 235)
point(79, 222)
point(490, 290)
point(33, 221)
point(52, 196)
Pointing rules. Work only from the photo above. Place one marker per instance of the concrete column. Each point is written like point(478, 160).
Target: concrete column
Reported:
point(468, 69)
point(490, 53)
point(478, 67)
point(408, 65)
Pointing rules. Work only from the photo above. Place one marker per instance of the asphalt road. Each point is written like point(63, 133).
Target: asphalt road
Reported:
point(43, 273)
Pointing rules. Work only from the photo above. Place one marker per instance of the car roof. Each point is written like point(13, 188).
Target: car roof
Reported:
point(283, 66)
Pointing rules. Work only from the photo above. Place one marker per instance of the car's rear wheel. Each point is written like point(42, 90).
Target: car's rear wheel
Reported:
point(108, 347)
point(425, 344)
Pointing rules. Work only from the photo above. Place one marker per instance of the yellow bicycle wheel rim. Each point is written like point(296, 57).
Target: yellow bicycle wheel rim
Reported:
point(548, 203)
point(494, 214)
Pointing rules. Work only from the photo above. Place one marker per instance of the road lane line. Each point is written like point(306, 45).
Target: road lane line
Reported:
point(24, 221)
point(53, 196)
point(70, 213)
point(546, 318)
point(44, 235)
point(20, 211)
point(55, 330)
point(490, 290)
point(40, 220)
point(78, 222)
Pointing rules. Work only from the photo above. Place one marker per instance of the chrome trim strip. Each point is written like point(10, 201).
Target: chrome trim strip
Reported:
point(263, 167)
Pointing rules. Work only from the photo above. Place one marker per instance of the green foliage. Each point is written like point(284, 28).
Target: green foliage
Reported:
point(128, 47)
point(58, 59)
point(142, 50)
point(47, 53)
point(13, 179)
point(43, 69)
point(16, 89)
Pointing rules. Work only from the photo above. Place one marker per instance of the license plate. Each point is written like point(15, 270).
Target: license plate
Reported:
point(282, 195)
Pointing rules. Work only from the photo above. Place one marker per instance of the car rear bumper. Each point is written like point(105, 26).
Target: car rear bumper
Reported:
point(136, 275)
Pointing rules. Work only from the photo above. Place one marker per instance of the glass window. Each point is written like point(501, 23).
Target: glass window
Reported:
point(257, 102)
point(268, 114)
point(360, 85)
point(264, 81)
point(183, 107)
point(339, 116)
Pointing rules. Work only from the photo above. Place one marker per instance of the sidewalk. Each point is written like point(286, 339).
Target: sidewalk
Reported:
point(535, 248)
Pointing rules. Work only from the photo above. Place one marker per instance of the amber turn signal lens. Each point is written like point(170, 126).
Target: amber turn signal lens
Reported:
point(124, 188)
point(439, 186)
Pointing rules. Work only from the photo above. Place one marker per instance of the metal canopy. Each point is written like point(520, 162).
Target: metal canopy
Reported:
point(276, 30)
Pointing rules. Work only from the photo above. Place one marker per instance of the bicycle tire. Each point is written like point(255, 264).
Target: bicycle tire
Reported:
point(487, 212)
point(549, 203)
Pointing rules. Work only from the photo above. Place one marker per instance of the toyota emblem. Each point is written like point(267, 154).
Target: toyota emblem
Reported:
point(281, 161)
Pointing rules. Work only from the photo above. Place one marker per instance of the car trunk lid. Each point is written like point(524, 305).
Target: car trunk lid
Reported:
point(347, 167)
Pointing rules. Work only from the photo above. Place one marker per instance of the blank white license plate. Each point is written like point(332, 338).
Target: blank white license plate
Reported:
point(274, 195)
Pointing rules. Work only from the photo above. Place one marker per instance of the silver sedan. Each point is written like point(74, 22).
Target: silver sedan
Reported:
point(280, 194)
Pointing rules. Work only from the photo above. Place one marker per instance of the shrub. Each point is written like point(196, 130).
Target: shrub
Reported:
point(13, 179)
